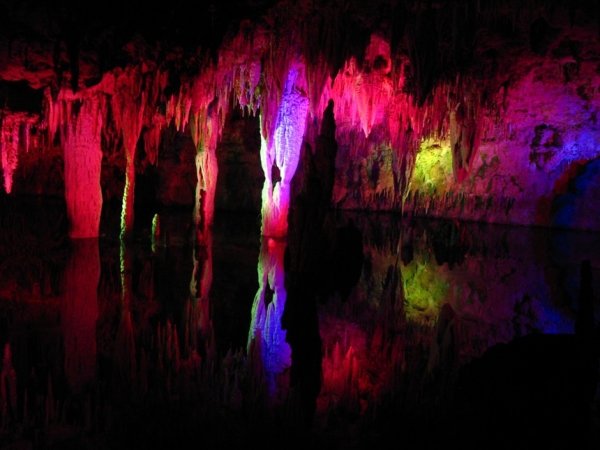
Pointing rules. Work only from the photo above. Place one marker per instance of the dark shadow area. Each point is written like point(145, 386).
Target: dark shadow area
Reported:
point(535, 391)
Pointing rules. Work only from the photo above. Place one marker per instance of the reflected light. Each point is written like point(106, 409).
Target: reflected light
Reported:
point(266, 338)
point(426, 288)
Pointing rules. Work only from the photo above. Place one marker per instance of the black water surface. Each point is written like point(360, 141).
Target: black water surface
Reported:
point(424, 333)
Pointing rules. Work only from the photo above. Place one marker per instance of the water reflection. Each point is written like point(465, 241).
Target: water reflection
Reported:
point(125, 357)
point(79, 313)
point(350, 353)
point(197, 318)
point(266, 338)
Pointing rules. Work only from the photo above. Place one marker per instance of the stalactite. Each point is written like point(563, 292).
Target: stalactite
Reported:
point(384, 93)
point(279, 63)
point(81, 138)
point(9, 148)
point(128, 103)
point(125, 356)
point(198, 309)
point(205, 127)
point(178, 108)
point(152, 136)
point(240, 69)
point(375, 96)
point(362, 95)
point(317, 77)
point(125, 368)
point(14, 138)
point(465, 126)
point(282, 152)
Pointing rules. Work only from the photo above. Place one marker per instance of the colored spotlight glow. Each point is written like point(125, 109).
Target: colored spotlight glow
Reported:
point(433, 167)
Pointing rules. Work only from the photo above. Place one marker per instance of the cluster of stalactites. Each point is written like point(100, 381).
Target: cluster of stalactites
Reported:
point(126, 102)
point(258, 74)
point(135, 96)
point(15, 136)
point(238, 76)
point(255, 73)
point(373, 96)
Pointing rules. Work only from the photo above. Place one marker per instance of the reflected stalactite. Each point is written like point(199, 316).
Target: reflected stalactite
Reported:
point(205, 126)
point(9, 151)
point(125, 355)
point(155, 234)
point(197, 314)
point(8, 387)
point(386, 103)
point(108, 115)
point(266, 337)
point(464, 126)
point(442, 365)
point(80, 313)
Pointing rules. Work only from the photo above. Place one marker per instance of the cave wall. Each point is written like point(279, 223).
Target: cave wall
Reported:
point(534, 158)
point(470, 111)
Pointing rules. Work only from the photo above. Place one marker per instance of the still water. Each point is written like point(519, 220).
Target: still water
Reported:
point(158, 343)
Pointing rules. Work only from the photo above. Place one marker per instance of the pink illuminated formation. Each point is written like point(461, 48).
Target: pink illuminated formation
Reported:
point(14, 137)
point(79, 119)
point(281, 153)
point(128, 103)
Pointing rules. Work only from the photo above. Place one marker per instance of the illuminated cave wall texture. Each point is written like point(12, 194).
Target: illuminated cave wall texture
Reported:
point(471, 110)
